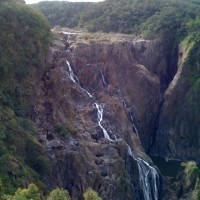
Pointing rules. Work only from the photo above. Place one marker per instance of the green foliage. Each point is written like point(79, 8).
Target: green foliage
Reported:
point(196, 193)
point(35, 157)
point(62, 13)
point(17, 143)
point(90, 194)
point(31, 193)
point(192, 42)
point(149, 18)
point(59, 194)
point(24, 39)
point(61, 129)
point(191, 169)
point(192, 178)
point(21, 49)
point(64, 129)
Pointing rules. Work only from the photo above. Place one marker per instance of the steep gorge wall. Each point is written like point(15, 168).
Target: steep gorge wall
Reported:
point(179, 127)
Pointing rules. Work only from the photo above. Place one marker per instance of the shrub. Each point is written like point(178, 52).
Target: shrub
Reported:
point(31, 193)
point(59, 194)
point(64, 129)
point(90, 194)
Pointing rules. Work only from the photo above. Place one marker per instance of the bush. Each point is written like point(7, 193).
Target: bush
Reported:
point(61, 129)
point(64, 129)
point(90, 194)
point(59, 194)
point(31, 193)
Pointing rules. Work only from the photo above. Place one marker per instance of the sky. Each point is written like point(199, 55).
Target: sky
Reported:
point(36, 1)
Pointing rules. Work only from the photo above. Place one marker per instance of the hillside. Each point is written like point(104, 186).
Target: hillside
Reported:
point(22, 157)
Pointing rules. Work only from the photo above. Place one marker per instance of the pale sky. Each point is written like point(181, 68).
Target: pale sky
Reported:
point(36, 1)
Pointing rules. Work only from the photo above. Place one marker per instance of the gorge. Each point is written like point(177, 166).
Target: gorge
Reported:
point(109, 93)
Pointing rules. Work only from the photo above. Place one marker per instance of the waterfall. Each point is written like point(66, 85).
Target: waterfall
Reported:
point(99, 108)
point(75, 79)
point(103, 79)
point(148, 177)
point(131, 116)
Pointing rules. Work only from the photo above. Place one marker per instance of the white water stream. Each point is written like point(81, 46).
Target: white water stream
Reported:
point(99, 108)
point(103, 79)
point(148, 177)
point(75, 79)
point(131, 116)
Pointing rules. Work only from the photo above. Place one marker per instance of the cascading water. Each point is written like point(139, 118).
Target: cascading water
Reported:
point(148, 177)
point(99, 108)
point(103, 79)
point(75, 79)
point(130, 114)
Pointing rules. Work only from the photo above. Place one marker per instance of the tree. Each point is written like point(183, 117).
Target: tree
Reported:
point(90, 194)
point(59, 194)
point(31, 193)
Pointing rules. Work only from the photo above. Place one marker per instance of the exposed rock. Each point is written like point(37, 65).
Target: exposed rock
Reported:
point(179, 129)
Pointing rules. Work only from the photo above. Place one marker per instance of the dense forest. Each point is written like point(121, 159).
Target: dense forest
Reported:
point(150, 18)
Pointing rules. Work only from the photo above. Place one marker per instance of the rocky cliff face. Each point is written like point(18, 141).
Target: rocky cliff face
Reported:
point(179, 127)
point(122, 75)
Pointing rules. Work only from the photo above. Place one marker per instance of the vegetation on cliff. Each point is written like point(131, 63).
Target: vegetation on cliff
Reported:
point(24, 39)
point(33, 193)
point(189, 180)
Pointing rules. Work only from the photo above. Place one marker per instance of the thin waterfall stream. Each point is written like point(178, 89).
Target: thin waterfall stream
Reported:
point(103, 79)
point(75, 79)
point(148, 176)
point(99, 107)
point(130, 114)
point(100, 119)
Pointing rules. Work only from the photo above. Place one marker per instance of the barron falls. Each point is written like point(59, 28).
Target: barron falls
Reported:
point(99, 113)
